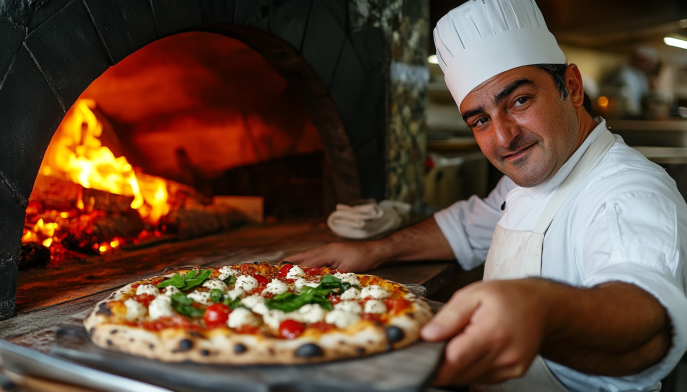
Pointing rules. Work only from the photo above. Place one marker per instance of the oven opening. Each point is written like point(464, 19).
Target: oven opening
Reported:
point(195, 134)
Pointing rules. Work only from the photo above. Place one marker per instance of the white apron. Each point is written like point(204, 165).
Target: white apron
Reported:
point(518, 254)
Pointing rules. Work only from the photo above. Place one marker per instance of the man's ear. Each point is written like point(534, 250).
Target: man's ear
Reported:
point(573, 82)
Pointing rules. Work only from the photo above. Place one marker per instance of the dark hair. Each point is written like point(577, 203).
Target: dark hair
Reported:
point(557, 72)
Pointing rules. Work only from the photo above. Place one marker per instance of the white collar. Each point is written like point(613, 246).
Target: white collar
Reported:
point(570, 164)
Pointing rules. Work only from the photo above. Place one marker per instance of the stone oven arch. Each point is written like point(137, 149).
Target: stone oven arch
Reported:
point(51, 54)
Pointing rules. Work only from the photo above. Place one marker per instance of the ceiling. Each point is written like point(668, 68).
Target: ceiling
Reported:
point(602, 24)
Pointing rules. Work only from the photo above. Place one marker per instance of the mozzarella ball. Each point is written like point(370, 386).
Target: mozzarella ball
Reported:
point(375, 306)
point(275, 287)
point(348, 278)
point(374, 291)
point(351, 294)
point(252, 301)
point(242, 316)
point(349, 306)
point(295, 272)
point(311, 313)
point(226, 272)
point(274, 318)
point(160, 307)
point(147, 289)
point(216, 284)
point(169, 290)
point(202, 297)
point(341, 318)
point(246, 283)
point(134, 309)
point(235, 293)
point(300, 283)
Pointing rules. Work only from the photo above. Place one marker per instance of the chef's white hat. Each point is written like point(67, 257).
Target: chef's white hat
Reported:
point(483, 38)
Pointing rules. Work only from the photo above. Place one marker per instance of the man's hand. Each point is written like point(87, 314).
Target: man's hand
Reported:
point(346, 256)
point(498, 327)
point(422, 241)
point(496, 330)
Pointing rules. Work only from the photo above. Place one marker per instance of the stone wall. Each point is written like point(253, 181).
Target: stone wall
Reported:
point(405, 24)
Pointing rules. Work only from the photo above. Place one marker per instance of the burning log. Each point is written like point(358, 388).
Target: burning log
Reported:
point(64, 195)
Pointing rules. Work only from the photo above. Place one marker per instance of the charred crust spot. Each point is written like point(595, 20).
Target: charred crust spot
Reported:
point(378, 323)
point(204, 353)
point(256, 263)
point(90, 331)
point(196, 334)
point(131, 340)
point(109, 342)
point(285, 262)
point(360, 350)
point(240, 348)
point(151, 346)
point(410, 315)
point(309, 350)
point(270, 350)
point(394, 334)
point(112, 296)
point(103, 310)
point(184, 345)
point(342, 342)
point(114, 331)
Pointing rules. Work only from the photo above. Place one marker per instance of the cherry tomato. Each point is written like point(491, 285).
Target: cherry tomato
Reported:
point(145, 299)
point(291, 329)
point(216, 315)
point(314, 271)
point(284, 270)
point(396, 304)
point(262, 280)
point(334, 299)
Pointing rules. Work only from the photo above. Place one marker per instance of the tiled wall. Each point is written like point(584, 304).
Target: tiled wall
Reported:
point(51, 50)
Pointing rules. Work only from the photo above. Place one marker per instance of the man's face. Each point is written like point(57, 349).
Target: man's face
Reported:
point(522, 125)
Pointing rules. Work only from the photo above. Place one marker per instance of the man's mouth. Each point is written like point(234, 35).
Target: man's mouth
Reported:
point(517, 154)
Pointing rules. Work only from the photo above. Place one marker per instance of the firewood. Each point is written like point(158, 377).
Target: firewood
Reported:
point(57, 194)
point(195, 220)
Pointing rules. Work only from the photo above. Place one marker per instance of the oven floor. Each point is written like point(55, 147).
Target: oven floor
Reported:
point(46, 298)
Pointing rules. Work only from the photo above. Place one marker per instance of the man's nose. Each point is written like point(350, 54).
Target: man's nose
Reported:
point(505, 130)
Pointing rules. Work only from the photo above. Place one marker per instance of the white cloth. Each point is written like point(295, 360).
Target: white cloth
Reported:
point(625, 222)
point(482, 38)
point(368, 220)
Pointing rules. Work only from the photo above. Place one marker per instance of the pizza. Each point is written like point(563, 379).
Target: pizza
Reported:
point(257, 313)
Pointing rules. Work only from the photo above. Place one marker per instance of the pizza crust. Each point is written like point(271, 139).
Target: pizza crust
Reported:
point(222, 346)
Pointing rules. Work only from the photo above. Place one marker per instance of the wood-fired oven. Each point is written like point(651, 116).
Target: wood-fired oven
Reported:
point(346, 79)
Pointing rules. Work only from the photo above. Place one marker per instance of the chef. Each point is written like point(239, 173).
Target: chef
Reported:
point(584, 239)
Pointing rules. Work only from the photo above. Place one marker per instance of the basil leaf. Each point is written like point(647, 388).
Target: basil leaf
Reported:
point(230, 281)
point(184, 306)
point(236, 303)
point(176, 281)
point(324, 303)
point(197, 280)
point(217, 296)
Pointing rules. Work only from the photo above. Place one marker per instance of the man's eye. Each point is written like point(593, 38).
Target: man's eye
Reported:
point(480, 121)
point(521, 101)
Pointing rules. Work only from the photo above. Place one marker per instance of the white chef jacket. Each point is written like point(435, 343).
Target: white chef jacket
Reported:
point(626, 221)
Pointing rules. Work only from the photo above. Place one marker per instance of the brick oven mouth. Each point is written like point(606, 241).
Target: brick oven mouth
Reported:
point(194, 134)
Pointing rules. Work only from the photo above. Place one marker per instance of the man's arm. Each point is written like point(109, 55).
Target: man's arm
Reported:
point(497, 328)
point(422, 241)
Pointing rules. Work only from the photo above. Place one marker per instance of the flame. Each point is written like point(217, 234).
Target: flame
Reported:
point(77, 153)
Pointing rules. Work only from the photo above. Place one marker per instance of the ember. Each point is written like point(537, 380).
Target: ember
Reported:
point(86, 201)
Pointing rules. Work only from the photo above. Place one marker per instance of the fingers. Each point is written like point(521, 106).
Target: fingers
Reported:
point(469, 356)
point(452, 318)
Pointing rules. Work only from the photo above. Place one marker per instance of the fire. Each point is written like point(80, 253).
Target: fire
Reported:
point(77, 153)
